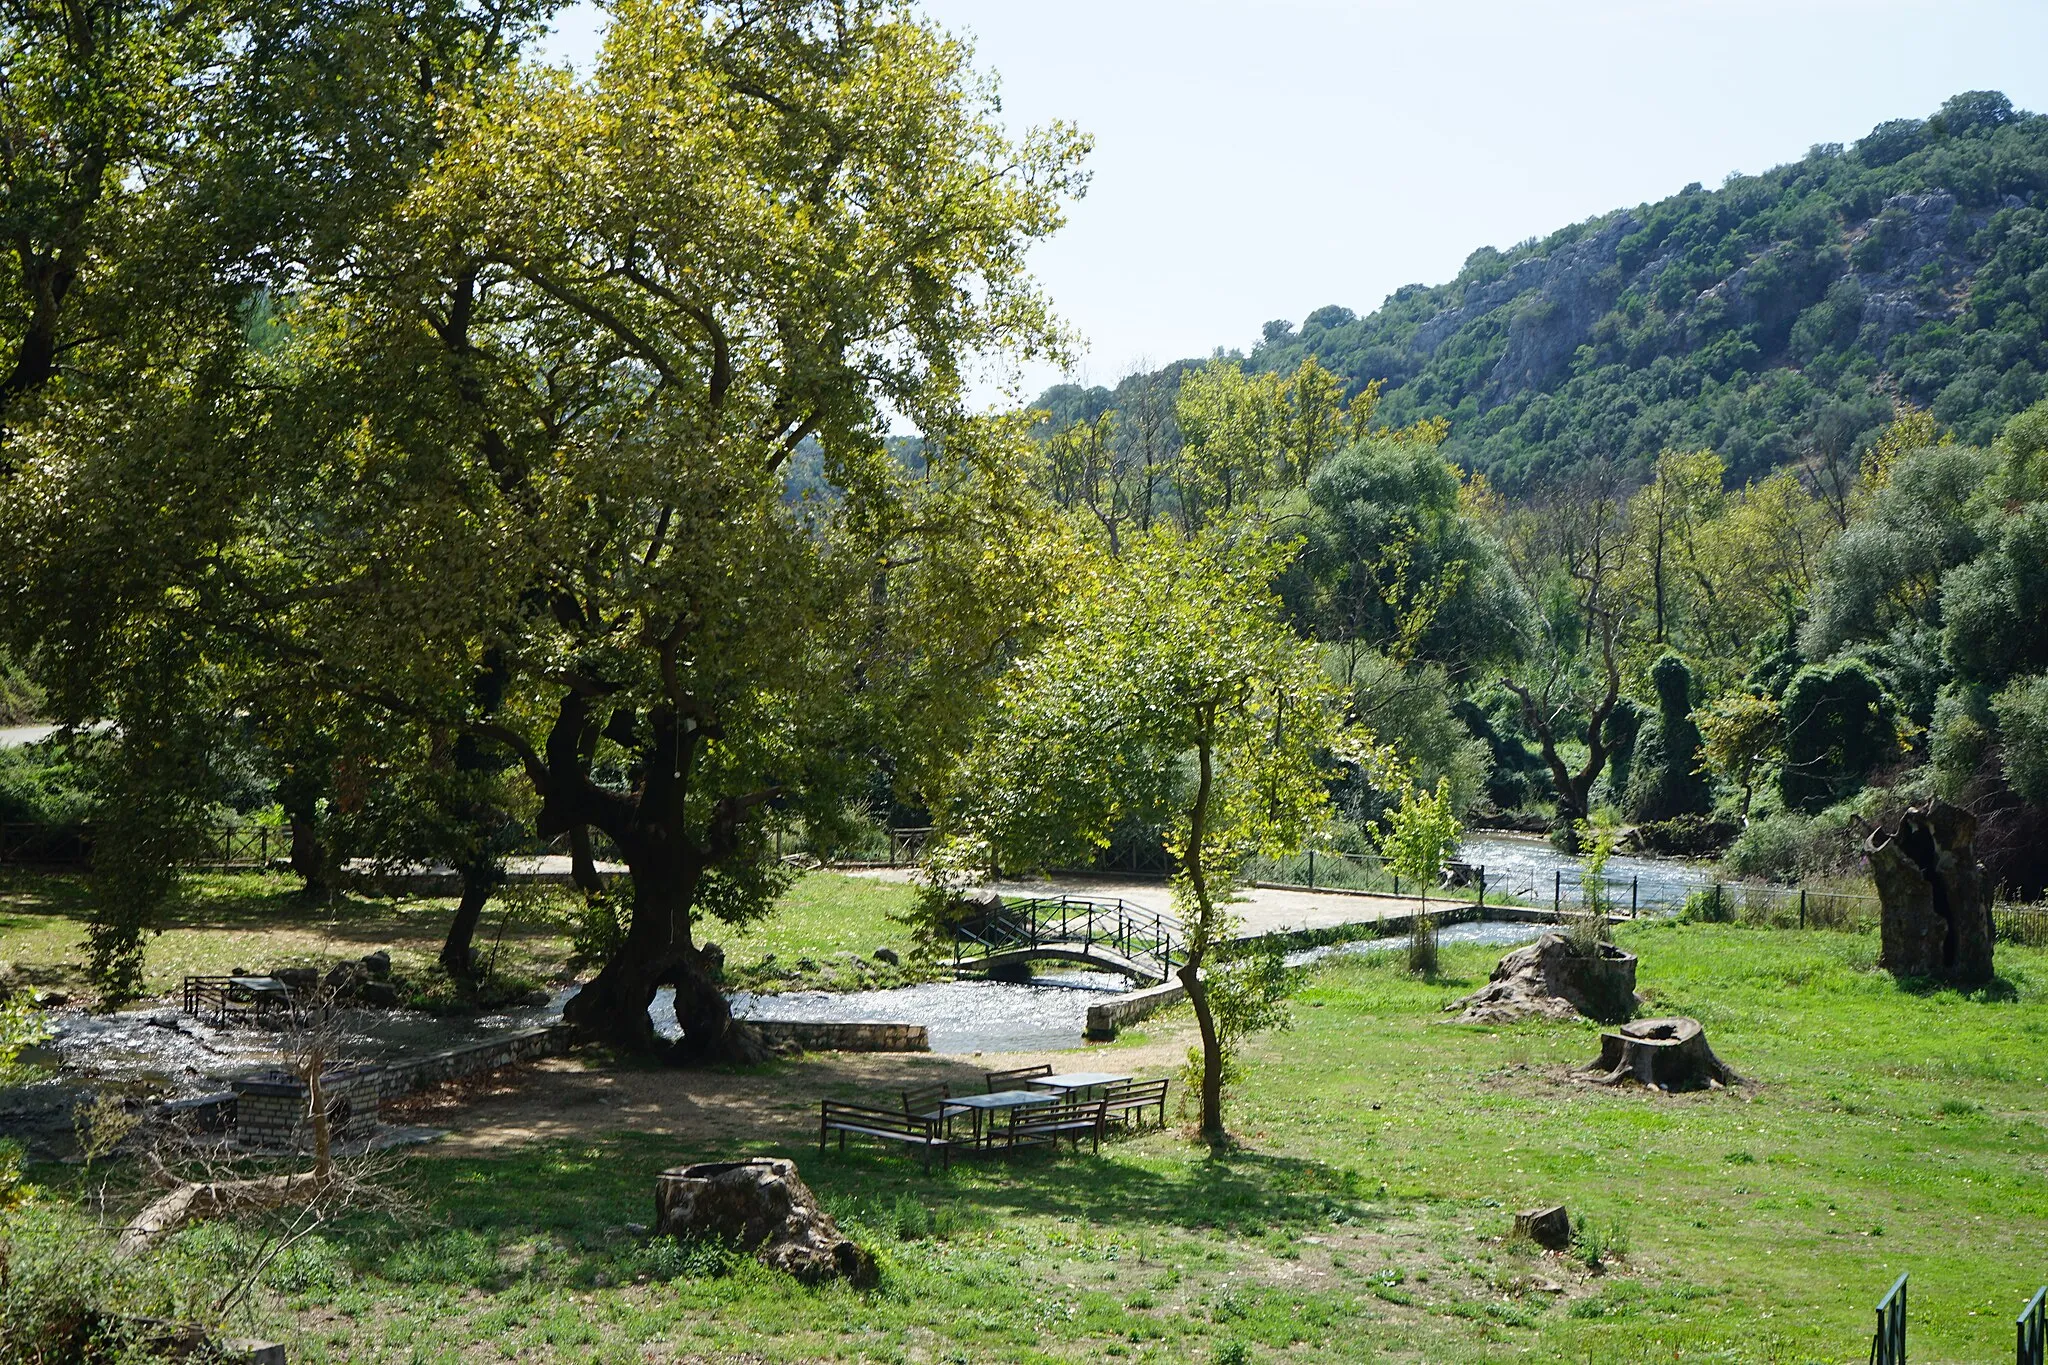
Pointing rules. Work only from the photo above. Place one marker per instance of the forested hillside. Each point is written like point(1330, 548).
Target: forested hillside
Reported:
point(1772, 319)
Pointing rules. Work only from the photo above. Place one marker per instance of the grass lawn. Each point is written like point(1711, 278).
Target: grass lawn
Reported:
point(1364, 1216)
point(260, 921)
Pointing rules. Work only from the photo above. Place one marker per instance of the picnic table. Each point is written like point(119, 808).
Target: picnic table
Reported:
point(1078, 1082)
point(999, 1102)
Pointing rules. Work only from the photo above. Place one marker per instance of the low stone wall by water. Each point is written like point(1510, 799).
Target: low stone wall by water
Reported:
point(845, 1037)
point(1106, 1018)
point(408, 1074)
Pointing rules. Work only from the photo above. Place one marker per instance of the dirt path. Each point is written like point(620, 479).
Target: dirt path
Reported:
point(563, 1099)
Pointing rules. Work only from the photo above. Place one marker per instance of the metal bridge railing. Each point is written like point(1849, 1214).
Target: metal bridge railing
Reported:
point(1133, 932)
point(1888, 1346)
point(2032, 1330)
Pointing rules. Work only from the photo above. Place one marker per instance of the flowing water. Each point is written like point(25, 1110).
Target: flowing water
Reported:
point(1528, 866)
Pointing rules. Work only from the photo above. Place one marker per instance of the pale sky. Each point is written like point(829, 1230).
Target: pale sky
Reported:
point(1259, 160)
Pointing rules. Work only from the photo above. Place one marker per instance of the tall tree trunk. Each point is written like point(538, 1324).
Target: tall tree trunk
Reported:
point(583, 866)
point(309, 859)
point(480, 877)
point(1198, 945)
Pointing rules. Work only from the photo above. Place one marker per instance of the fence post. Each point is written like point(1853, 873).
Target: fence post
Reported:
point(1633, 884)
point(1311, 869)
point(1557, 892)
point(1482, 886)
point(1717, 901)
point(1802, 907)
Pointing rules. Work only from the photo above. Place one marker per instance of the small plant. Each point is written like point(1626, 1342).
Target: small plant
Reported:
point(1706, 905)
point(1233, 1353)
point(21, 1027)
point(1588, 931)
point(1595, 1243)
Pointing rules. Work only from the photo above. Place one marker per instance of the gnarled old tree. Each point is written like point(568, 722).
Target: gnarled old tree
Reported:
point(1572, 557)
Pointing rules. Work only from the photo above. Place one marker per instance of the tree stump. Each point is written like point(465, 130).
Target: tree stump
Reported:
point(1663, 1054)
point(1551, 1227)
point(1936, 917)
point(759, 1205)
point(1552, 979)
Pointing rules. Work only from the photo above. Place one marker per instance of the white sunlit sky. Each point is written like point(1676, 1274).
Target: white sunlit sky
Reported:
point(1257, 160)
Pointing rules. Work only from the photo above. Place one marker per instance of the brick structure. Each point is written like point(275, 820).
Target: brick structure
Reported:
point(271, 1107)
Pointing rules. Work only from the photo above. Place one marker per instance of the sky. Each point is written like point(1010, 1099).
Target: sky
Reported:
point(1259, 159)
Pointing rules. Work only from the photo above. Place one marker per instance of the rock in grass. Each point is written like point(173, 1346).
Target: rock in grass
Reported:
point(760, 1205)
point(888, 955)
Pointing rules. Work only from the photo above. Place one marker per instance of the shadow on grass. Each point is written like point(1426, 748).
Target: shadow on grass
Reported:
point(578, 1200)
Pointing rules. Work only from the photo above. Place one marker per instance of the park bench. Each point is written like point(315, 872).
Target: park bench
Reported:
point(1072, 1120)
point(868, 1120)
point(1008, 1080)
point(1129, 1101)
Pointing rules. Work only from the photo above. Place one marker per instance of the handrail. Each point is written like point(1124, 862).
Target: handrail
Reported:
point(1888, 1345)
point(2031, 1327)
point(1024, 922)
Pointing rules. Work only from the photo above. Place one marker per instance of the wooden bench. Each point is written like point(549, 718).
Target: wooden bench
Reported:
point(890, 1125)
point(1131, 1099)
point(1008, 1080)
point(1047, 1125)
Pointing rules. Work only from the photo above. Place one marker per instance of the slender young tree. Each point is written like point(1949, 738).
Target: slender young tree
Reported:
point(1172, 689)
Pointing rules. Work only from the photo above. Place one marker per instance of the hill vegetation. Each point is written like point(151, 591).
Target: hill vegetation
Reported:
point(1773, 319)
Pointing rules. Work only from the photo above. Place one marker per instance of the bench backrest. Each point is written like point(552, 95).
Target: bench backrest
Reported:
point(1137, 1092)
point(1005, 1080)
point(1056, 1115)
point(925, 1098)
point(873, 1116)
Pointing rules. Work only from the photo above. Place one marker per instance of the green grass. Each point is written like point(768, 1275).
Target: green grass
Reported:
point(1365, 1215)
point(260, 921)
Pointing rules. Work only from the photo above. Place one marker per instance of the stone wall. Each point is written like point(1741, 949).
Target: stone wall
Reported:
point(270, 1106)
point(1106, 1018)
point(837, 1037)
point(408, 1074)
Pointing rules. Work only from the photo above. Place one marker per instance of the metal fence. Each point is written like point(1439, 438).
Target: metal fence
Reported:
point(224, 849)
point(2032, 1330)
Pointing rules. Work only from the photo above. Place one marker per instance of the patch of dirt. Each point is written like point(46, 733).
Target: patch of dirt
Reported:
point(565, 1099)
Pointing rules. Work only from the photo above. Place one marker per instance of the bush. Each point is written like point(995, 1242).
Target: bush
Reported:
point(2022, 711)
point(1771, 849)
point(1839, 727)
point(65, 1296)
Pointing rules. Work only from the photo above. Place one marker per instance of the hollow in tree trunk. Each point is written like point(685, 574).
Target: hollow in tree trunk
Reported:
point(658, 951)
point(1936, 917)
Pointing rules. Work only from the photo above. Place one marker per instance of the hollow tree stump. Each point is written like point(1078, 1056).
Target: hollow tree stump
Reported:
point(1551, 1227)
point(1935, 915)
point(759, 1205)
point(1664, 1054)
point(1552, 979)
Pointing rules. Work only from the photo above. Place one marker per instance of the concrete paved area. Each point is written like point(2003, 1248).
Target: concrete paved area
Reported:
point(1262, 910)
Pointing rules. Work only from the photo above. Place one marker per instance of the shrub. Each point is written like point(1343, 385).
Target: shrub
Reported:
point(1771, 849)
point(1839, 726)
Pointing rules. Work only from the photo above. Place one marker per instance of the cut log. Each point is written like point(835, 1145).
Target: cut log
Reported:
point(214, 1199)
point(1935, 915)
point(1551, 1227)
point(759, 1205)
point(1663, 1054)
point(1552, 979)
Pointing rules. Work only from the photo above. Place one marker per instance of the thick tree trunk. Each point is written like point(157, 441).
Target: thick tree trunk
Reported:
point(613, 1008)
point(1936, 915)
point(479, 879)
point(583, 866)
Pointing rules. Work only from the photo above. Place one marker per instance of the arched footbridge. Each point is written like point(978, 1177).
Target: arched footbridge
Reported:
point(1107, 933)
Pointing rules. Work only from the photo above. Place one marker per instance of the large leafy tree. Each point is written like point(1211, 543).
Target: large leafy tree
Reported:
point(561, 417)
point(1172, 690)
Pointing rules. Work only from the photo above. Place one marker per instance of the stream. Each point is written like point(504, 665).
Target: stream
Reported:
point(1527, 865)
